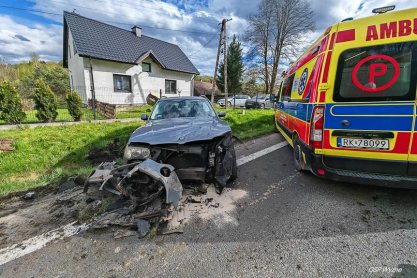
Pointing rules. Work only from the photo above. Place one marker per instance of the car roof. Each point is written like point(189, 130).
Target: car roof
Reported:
point(184, 98)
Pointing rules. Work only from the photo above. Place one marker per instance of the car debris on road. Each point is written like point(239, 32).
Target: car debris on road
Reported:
point(183, 141)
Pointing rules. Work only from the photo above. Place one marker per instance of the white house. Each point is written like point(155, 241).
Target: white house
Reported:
point(122, 67)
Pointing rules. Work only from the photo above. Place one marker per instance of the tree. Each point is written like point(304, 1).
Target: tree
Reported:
point(74, 104)
point(234, 69)
point(45, 102)
point(10, 104)
point(277, 29)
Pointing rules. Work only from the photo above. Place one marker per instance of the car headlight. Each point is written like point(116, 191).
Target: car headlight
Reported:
point(132, 152)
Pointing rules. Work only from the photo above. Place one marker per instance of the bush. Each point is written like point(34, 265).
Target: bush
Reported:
point(10, 104)
point(45, 102)
point(74, 104)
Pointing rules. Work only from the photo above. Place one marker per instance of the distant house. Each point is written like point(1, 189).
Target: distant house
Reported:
point(202, 88)
point(121, 66)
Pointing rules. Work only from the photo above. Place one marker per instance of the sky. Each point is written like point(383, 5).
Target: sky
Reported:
point(35, 26)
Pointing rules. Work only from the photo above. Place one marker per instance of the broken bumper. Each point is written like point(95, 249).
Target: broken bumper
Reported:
point(115, 179)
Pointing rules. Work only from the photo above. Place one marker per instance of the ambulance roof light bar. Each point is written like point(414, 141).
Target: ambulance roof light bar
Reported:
point(383, 10)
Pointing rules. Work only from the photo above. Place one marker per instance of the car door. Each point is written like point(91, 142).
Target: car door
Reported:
point(370, 120)
point(240, 100)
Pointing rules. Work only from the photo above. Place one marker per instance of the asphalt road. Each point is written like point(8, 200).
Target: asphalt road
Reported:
point(290, 224)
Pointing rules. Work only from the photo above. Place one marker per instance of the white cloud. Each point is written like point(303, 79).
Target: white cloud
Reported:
point(18, 41)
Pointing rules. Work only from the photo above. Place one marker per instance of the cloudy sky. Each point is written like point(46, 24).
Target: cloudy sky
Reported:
point(28, 26)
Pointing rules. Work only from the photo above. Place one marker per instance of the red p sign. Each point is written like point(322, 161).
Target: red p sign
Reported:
point(376, 70)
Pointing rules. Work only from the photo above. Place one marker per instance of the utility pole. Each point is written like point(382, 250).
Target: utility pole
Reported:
point(213, 89)
point(226, 98)
point(222, 37)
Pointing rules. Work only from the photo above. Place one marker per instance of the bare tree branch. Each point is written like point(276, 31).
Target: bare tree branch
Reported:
point(278, 29)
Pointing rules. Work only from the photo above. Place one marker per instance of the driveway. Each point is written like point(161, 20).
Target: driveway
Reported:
point(287, 224)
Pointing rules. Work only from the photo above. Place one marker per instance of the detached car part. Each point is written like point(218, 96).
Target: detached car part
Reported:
point(141, 181)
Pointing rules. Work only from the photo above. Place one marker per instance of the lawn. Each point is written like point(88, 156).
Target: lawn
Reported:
point(133, 111)
point(45, 155)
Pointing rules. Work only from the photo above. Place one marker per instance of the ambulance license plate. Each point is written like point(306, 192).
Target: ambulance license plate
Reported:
point(359, 143)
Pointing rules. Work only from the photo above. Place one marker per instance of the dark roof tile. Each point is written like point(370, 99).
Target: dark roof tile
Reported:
point(103, 41)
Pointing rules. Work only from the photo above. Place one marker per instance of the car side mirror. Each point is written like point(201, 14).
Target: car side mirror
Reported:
point(144, 117)
point(222, 114)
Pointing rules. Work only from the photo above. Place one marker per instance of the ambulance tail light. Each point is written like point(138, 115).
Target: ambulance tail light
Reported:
point(316, 127)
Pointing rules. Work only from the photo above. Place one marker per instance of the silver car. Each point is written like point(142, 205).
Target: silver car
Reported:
point(238, 100)
point(260, 101)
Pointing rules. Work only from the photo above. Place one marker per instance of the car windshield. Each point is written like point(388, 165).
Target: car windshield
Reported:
point(183, 108)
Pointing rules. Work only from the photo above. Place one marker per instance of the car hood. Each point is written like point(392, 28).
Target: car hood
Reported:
point(179, 131)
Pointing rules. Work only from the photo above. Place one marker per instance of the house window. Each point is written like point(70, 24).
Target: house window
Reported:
point(146, 67)
point(122, 83)
point(170, 86)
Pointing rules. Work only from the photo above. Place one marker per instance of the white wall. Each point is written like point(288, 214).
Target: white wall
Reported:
point(76, 70)
point(143, 83)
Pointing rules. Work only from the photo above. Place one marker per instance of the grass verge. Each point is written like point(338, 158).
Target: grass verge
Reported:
point(45, 155)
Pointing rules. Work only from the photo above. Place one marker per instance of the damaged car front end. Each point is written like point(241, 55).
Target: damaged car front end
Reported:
point(183, 140)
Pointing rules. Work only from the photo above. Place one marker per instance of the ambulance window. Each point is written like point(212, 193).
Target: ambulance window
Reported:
point(377, 73)
point(287, 88)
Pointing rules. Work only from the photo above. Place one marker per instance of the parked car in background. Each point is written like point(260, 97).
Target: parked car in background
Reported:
point(260, 101)
point(238, 100)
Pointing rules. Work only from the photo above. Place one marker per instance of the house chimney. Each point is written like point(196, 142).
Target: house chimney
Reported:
point(137, 31)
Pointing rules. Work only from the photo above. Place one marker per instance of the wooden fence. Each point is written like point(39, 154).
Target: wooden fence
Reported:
point(104, 109)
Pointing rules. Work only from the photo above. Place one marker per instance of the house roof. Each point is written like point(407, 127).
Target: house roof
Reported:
point(204, 88)
point(107, 42)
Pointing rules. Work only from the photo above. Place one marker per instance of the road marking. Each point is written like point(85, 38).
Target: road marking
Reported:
point(246, 159)
point(38, 242)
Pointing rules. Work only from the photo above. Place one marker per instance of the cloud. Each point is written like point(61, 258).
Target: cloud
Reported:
point(196, 22)
point(18, 41)
point(22, 38)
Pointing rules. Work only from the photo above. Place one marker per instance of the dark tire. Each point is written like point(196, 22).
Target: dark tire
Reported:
point(229, 104)
point(263, 106)
point(298, 156)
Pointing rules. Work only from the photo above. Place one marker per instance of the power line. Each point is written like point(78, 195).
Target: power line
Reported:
point(203, 46)
point(114, 22)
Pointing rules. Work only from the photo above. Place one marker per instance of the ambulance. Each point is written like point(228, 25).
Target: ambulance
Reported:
point(347, 106)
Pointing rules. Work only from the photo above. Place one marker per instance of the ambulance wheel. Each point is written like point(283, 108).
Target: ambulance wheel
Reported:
point(298, 156)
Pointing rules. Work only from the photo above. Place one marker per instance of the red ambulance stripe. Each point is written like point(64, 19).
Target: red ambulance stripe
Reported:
point(345, 36)
point(332, 41)
point(326, 67)
point(323, 43)
point(414, 145)
point(301, 127)
point(313, 95)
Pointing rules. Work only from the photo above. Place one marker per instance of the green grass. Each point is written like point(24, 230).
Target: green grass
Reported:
point(45, 155)
point(254, 122)
point(133, 111)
